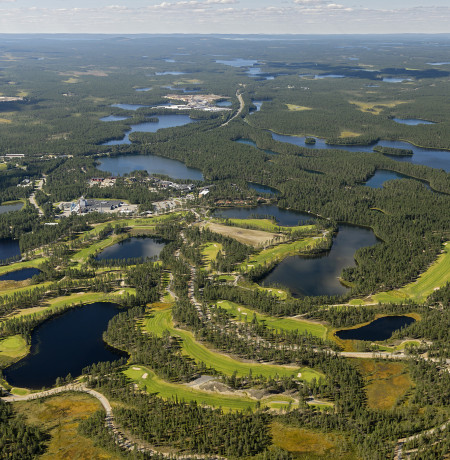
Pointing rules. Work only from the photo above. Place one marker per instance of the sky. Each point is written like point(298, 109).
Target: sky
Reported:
point(225, 16)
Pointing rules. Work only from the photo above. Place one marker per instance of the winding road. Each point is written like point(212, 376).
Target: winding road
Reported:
point(241, 108)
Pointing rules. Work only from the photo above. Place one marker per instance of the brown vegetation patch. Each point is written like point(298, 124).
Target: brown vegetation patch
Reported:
point(386, 382)
point(254, 238)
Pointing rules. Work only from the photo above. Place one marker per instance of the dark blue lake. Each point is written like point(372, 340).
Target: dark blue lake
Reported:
point(133, 248)
point(153, 164)
point(318, 275)
point(9, 248)
point(253, 144)
point(65, 344)
point(380, 329)
point(263, 188)
point(439, 159)
point(382, 175)
point(10, 207)
point(284, 217)
point(164, 121)
point(20, 275)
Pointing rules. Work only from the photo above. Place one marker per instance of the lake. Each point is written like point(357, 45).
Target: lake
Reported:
point(224, 104)
point(237, 62)
point(258, 105)
point(129, 106)
point(164, 121)
point(413, 121)
point(380, 329)
point(170, 72)
point(9, 248)
point(395, 79)
point(263, 188)
point(439, 159)
point(10, 207)
point(283, 217)
point(383, 175)
point(135, 247)
point(318, 275)
point(253, 144)
point(20, 275)
point(65, 344)
point(143, 89)
point(113, 118)
point(153, 164)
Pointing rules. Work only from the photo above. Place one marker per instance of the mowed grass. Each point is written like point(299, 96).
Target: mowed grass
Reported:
point(167, 390)
point(285, 324)
point(434, 278)
point(279, 252)
point(311, 444)
point(19, 265)
point(210, 252)
point(159, 321)
point(385, 382)
point(251, 237)
point(14, 346)
point(60, 415)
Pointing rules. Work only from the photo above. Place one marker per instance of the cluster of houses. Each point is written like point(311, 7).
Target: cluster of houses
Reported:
point(83, 206)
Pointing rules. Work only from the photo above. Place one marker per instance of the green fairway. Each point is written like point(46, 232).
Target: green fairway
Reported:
point(14, 346)
point(286, 324)
point(159, 321)
point(168, 390)
point(266, 225)
point(279, 252)
point(435, 277)
point(19, 265)
point(209, 253)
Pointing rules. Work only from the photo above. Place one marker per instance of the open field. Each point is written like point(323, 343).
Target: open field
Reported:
point(60, 415)
point(435, 277)
point(267, 225)
point(161, 320)
point(349, 134)
point(386, 382)
point(286, 324)
point(279, 252)
point(209, 252)
point(14, 346)
point(311, 444)
point(376, 108)
point(254, 238)
point(297, 108)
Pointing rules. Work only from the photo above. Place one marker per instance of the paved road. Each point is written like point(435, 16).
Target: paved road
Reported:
point(241, 108)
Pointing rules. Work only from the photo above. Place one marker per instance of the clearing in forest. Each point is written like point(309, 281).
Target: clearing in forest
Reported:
point(253, 238)
point(297, 108)
point(376, 108)
point(349, 134)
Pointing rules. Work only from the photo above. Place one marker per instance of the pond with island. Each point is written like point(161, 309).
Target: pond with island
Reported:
point(65, 344)
point(434, 158)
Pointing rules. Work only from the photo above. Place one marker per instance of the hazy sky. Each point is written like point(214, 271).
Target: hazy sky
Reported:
point(225, 16)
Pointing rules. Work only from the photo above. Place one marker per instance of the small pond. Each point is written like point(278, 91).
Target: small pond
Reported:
point(139, 90)
point(284, 217)
point(318, 275)
point(378, 330)
point(153, 164)
point(224, 104)
point(113, 118)
point(135, 247)
point(253, 144)
point(164, 121)
point(10, 207)
point(9, 248)
point(263, 189)
point(65, 344)
point(413, 121)
point(20, 275)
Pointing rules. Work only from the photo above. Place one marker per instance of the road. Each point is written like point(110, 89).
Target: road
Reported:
point(32, 197)
point(241, 108)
